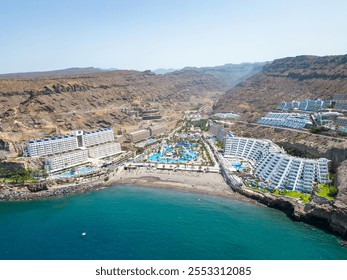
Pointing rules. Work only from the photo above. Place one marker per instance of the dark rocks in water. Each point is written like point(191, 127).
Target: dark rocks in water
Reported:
point(324, 215)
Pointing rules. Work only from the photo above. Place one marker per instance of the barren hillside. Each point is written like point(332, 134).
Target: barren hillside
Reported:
point(35, 107)
point(286, 79)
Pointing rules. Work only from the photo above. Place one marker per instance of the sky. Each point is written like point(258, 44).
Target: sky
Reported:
point(40, 35)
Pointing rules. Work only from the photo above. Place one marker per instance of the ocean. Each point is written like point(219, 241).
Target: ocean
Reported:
point(137, 223)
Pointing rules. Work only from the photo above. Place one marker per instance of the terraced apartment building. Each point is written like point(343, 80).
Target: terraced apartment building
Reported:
point(63, 152)
point(308, 105)
point(275, 167)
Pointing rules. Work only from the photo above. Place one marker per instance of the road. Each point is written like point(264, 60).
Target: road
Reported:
point(295, 130)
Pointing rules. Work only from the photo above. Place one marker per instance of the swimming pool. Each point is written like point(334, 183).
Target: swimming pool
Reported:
point(167, 154)
point(84, 170)
point(237, 165)
point(70, 173)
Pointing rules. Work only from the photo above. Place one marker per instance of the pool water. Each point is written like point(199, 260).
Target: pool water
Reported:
point(165, 156)
point(237, 166)
point(70, 174)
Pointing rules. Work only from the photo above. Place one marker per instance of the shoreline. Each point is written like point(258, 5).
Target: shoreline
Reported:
point(232, 195)
point(325, 217)
point(176, 182)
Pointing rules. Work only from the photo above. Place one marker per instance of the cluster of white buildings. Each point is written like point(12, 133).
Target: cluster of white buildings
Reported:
point(308, 105)
point(332, 120)
point(340, 101)
point(226, 115)
point(143, 134)
point(67, 151)
point(275, 167)
point(327, 113)
point(291, 120)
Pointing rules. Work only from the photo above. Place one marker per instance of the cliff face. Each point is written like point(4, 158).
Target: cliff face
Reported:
point(292, 78)
point(323, 214)
point(35, 107)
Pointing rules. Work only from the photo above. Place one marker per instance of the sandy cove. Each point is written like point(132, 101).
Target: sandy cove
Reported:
point(194, 182)
point(197, 182)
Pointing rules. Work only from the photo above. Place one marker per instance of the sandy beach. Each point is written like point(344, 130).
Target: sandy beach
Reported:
point(204, 183)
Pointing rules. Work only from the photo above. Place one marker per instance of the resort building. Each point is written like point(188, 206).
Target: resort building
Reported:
point(156, 130)
point(140, 135)
point(341, 121)
point(327, 119)
point(275, 167)
point(309, 105)
point(151, 117)
point(49, 146)
point(226, 115)
point(340, 101)
point(62, 144)
point(104, 150)
point(341, 124)
point(290, 120)
point(249, 148)
point(61, 161)
point(217, 131)
point(97, 137)
point(65, 151)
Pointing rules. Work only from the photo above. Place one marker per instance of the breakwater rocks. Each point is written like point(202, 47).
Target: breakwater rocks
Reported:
point(24, 194)
point(320, 213)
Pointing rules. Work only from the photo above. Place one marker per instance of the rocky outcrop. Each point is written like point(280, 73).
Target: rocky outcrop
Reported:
point(341, 182)
point(37, 187)
point(10, 166)
point(326, 215)
point(13, 194)
point(337, 155)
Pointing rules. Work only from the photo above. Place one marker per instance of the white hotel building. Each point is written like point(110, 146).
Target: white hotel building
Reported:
point(97, 137)
point(71, 150)
point(274, 166)
point(104, 150)
point(50, 146)
point(66, 160)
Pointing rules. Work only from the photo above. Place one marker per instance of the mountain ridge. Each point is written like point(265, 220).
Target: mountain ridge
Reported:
point(230, 74)
point(37, 107)
point(57, 72)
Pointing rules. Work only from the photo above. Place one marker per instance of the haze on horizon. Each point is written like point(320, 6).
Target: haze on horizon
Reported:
point(48, 35)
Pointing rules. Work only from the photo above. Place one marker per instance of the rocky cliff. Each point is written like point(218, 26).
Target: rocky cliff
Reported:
point(327, 215)
point(287, 79)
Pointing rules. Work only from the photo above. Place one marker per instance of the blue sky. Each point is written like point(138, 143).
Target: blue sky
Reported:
point(45, 35)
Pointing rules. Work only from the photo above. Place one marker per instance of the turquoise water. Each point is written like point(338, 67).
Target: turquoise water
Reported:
point(79, 171)
point(165, 156)
point(237, 165)
point(129, 222)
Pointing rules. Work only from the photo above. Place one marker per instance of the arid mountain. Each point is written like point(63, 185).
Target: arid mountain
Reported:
point(292, 78)
point(54, 73)
point(162, 71)
point(230, 74)
point(33, 108)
